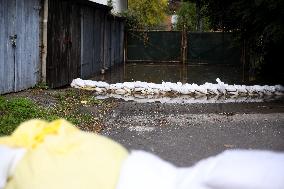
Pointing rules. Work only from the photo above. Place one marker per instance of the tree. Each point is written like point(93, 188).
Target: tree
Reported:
point(144, 14)
point(200, 19)
point(110, 3)
point(260, 23)
point(190, 15)
point(186, 16)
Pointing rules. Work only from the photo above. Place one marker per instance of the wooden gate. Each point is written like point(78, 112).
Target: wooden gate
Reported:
point(63, 42)
point(19, 44)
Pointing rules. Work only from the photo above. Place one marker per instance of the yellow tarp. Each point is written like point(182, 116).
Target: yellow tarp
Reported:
point(60, 156)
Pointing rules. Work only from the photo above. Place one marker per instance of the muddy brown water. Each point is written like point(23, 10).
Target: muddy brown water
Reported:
point(174, 72)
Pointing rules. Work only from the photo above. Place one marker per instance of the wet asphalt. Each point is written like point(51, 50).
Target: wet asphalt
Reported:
point(186, 133)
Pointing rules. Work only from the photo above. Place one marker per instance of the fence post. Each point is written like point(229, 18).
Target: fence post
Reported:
point(184, 45)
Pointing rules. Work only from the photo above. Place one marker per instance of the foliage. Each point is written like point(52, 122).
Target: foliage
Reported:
point(69, 103)
point(186, 16)
point(132, 22)
point(258, 22)
point(110, 3)
point(41, 86)
point(16, 110)
point(144, 14)
point(205, 23)
point(192, 16)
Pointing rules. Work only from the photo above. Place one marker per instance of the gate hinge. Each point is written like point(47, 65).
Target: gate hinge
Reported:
point(13, 39)
point(37, 7)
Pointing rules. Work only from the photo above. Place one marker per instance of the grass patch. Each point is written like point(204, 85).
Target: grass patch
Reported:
point(71, 105)
point(16, 110)
point(41, 86)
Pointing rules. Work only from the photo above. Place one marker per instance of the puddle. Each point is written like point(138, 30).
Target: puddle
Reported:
point(186, 99)
point(159, 72)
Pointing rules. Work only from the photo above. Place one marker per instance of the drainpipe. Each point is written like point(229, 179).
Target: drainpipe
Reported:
point(44, 41)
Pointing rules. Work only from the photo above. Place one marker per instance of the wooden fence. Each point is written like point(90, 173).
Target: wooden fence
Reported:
point(19, 44)
point(85, 39)
point(82, 39)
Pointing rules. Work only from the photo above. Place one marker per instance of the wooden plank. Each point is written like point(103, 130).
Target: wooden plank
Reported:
point(7, 25)
point(64, 42)
point(102, 31)
point(121, 42)
point(57, 43)
point(117, 42)
point(107, 43)
point(79, 45)
point(98, 40)
point(112, 41)
point(75, 43)
point(27, 50)
point(87, 42)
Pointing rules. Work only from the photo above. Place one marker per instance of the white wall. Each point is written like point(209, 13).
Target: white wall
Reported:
point(104, 2)
point(174, 19)
point(118, 5)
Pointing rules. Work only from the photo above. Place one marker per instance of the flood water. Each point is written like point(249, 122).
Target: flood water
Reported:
point(174, 72)
point(199, 74)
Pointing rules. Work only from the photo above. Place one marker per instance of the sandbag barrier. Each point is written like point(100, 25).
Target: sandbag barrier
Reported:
point(181, 93)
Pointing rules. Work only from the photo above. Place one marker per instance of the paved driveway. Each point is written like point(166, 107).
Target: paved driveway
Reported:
point(186, 133)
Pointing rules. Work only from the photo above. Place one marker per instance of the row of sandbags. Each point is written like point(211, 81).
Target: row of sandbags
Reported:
point(144, 88)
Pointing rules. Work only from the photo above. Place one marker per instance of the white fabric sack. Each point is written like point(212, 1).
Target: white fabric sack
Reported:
point(233, 169)
point(9, 158)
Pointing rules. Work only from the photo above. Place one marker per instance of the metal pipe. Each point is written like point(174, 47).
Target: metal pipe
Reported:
point(44, 41)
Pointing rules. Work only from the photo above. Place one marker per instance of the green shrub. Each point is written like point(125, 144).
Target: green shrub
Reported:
point(16, 110)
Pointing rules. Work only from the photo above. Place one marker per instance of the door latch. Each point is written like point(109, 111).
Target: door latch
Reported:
point(13, 39)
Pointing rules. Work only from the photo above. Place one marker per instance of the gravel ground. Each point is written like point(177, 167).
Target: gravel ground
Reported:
point(181, 133)
point(186, 133)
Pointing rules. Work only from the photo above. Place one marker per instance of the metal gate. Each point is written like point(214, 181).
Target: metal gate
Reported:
point(212, 48)
point(168, 46)
point(19, 44)
point(153, 46)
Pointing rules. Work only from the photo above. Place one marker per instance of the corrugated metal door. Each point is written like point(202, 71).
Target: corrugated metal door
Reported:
point(19, 44)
